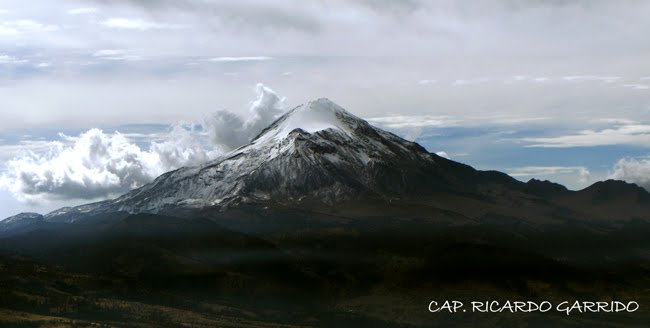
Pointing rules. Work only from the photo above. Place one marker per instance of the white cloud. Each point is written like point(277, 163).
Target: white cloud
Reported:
point(82, 11)
point(182, 148)
point(414, 121)
point(636, 86)
point(116, 54)
point(10, 151)
point(22, 26)
point(528, 78)
point(95, 164)
point(444, 121)
point(8, 31)
point(425, 82)
point(597, 78)
point(137, 24)
point(633, 170)
point(229, 130)
point(615, 120)
point(6, 59)
point(550, 171)
point(626, 134)
point(240, 59)
point(541, 79)
point(506, 120)
point(109, 52)
point(463, 82)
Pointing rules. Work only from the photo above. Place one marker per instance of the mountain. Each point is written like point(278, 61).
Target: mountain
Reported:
point(318, 155)
point(20, 222)
point(609, 200)
point(323, 220)
point(315, 153)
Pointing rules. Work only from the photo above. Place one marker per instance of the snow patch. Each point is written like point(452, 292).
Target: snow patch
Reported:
point(443, 154)
point(315, 116)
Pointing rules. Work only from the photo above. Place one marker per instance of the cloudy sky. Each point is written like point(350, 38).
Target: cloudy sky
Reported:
point(102, 96)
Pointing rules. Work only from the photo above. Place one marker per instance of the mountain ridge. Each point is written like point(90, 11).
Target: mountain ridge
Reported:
point(319, 152)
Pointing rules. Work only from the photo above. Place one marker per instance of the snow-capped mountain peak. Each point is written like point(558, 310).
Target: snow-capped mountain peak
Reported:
point(316, 152)
point(316, 115)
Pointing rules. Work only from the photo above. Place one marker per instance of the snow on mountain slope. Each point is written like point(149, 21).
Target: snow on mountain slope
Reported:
point(19, 221)
point(317, 151)
point(317, 115)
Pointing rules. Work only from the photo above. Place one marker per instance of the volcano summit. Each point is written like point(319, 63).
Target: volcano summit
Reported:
point(315, 153)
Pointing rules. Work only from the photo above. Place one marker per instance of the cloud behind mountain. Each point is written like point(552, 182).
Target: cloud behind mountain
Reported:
point(97, 164)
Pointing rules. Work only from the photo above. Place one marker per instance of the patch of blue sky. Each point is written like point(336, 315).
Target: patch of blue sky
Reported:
point(492, 149)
